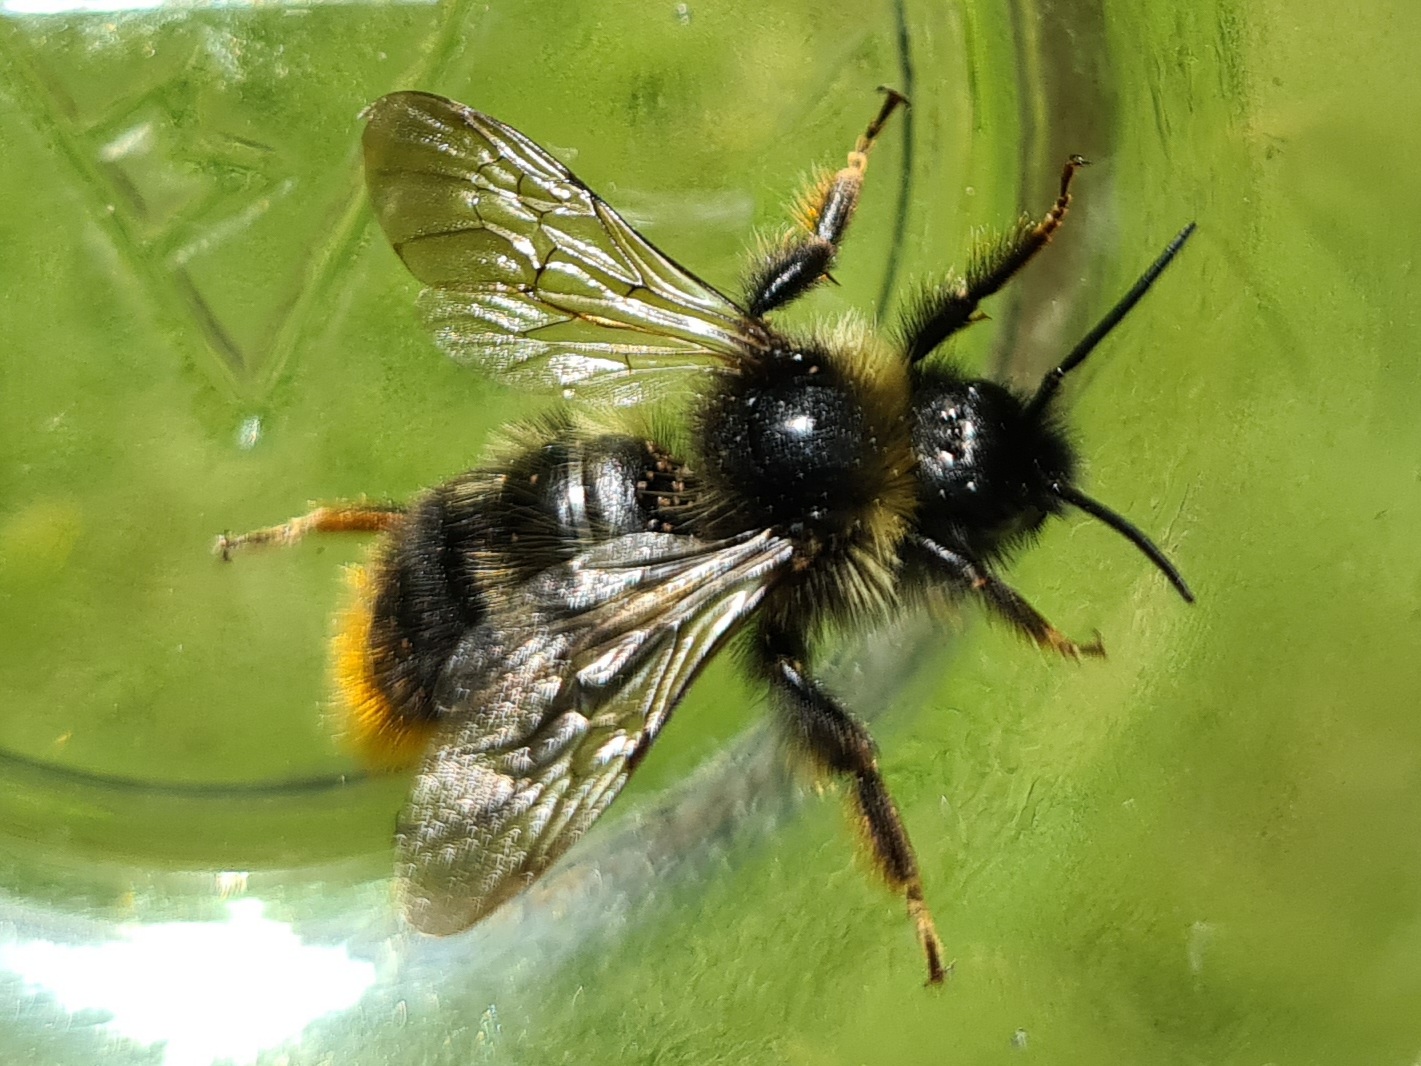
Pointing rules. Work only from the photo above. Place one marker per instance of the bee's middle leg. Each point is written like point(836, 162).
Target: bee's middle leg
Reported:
point(840, 743)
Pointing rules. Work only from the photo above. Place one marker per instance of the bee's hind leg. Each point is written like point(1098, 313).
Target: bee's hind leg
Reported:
point(801, 259)
point(331, 518)
point(840, 743)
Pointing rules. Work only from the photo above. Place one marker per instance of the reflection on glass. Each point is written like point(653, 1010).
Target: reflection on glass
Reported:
point(205, 991)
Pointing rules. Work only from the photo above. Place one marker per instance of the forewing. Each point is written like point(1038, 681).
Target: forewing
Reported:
point(552, 703)
point(531, 276)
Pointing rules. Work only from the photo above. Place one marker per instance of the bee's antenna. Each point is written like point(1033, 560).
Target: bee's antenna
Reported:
point(1052, 381)
point(1126, 529)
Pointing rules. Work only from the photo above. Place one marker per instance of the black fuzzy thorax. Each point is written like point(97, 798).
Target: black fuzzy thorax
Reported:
point(788, 445)
point(811, 441)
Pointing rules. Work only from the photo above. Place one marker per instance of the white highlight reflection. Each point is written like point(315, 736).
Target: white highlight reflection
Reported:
point(209, 991)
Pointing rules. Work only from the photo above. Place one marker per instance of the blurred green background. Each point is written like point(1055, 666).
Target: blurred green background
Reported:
point(1204, 850)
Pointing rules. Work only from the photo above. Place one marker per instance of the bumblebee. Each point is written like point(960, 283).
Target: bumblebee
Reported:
point(527, 628)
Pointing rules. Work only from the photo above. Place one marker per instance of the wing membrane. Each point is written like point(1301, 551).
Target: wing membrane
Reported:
point(530, 275)
point(549, 713)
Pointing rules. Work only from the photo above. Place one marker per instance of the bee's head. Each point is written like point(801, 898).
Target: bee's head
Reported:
point(988, 465)
point(992, 466)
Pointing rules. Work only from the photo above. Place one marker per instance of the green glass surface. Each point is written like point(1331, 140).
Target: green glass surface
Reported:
point(1202, 850)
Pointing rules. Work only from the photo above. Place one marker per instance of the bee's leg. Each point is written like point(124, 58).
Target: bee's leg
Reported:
point(945, 309)
point(802, 258)
point(841, 744)
point(1003, 601)
point(335, 518)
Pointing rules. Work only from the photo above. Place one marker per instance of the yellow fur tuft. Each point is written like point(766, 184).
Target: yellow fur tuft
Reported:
point(369, 722)
point(810, 202)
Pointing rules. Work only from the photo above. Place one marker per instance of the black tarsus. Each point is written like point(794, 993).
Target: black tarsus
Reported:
point(841, 744)
point(892, 100)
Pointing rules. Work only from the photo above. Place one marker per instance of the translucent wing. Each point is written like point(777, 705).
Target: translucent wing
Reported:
point(552, 703)
point(531, 276)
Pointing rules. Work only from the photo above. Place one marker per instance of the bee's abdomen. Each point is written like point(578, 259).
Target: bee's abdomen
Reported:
point(560, 498)
point(429, 580)
point(412, 603)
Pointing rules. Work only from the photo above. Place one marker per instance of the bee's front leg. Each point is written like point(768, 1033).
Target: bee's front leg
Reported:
point(946, 308)
point(331, 518)
point(788, 269)
point(963, 574)
point(841, 744)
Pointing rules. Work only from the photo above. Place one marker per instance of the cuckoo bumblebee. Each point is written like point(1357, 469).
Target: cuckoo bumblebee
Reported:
point(525, 630)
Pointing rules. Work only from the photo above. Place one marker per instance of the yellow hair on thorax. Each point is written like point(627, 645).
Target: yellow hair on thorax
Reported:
point(884, 386)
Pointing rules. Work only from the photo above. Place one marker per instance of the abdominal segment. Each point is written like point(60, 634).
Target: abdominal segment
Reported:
point(460, 547)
